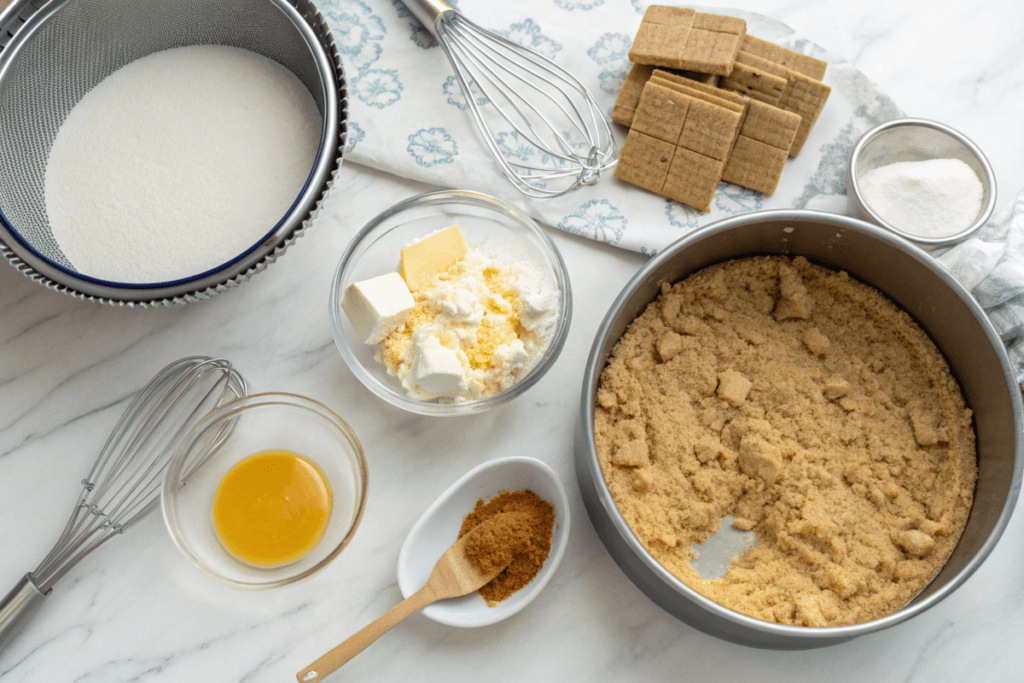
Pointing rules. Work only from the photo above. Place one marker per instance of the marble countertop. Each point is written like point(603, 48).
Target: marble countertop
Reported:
point(135, 610)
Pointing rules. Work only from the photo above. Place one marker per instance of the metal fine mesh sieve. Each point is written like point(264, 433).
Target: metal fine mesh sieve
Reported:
point(53, 52)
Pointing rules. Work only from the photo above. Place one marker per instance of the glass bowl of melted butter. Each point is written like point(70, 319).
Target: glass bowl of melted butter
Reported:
point(265, 491)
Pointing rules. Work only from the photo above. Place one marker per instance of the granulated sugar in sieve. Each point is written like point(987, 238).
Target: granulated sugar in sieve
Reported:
point(179, 162)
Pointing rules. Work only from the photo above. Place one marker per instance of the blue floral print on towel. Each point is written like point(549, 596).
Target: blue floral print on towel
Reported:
point(612, 52)
point(612, 81)
point(453, 91)
point(596, 219)
point(528, 34)
point(579, 4)
point(379, 87)
point(421, 36)
point(357, 32)
point(735, 199)
point(514, 148)
point(432, 146)
point(355, 134)
point(681, 216)
point(611, 48)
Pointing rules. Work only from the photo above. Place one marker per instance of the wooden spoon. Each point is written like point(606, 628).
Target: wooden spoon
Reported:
point(453, 576)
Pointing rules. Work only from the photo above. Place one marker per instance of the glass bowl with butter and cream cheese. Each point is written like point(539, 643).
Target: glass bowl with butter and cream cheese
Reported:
point(450, 303)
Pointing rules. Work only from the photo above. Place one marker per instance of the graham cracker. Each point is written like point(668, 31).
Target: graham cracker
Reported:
point(754, 165)
point(681, 38)
point(629, 96)
point(661, 112)
point(712, 44)
point(759, 155)
point(755, 83)
point(804, 64)
point(770, 125)
point(644, 161)
point(803, 95)
point(684, 130)
point(663, 33)
point(639, 74)
point(722, 98)
point(709, 130)
point(692, 179)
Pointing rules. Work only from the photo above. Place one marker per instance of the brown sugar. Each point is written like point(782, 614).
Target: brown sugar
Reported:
point(811, 409)
point(511, 530)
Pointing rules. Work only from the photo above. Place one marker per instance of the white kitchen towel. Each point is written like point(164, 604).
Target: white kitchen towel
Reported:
point(408, 115)
point(991, 265)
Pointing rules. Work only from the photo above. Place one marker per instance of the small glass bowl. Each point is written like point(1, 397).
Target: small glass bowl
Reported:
point(916, 140)
point(232, 433)
point(376, 251)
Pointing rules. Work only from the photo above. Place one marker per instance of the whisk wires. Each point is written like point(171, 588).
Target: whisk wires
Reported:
point(558, 138)
point(124, 483)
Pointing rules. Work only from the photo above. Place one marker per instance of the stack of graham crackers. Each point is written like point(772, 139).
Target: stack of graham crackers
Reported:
point(706, 102)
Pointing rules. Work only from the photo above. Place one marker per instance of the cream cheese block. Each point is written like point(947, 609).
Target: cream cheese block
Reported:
point(378, 306)
point(437, 369)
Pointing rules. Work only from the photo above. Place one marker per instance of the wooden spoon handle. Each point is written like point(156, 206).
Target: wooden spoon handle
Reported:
point(367, 636)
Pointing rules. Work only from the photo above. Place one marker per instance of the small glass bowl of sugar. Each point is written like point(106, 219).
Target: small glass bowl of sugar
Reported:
point(922, 180)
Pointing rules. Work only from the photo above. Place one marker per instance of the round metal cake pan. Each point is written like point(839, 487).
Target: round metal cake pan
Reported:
point(917, 283)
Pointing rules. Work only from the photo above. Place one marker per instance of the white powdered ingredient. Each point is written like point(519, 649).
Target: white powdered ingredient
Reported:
point(500, 318)
point(178, 162)
point(934, 198)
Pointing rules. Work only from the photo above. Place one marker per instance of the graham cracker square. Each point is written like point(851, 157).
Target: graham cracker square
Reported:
point(709, 129)
point(661, 112)
point(644, 161)
point(629, 96)
point(712, 44)
point(770, 125)
point(755, 165)
point(804, 64)
point(662, 34)
point(692, 179)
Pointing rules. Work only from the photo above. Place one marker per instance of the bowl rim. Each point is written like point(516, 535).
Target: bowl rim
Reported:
point(853, 181)
point(443, 198)
point(227, 411)
point(800, 636)
point(313, 29)
point(559, 539)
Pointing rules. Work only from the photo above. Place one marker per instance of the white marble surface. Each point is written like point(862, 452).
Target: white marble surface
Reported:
point(137, 611)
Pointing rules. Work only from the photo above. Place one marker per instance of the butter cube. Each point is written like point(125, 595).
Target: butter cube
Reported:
point(437, 369)
point(422, 261)
point(378, 306)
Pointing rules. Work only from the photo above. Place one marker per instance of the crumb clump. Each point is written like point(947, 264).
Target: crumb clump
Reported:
point(813, 410)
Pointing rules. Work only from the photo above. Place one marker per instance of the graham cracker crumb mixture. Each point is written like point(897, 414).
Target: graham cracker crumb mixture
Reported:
point(810, 408)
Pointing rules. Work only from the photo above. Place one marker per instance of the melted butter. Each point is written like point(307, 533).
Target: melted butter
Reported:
point(272, 508)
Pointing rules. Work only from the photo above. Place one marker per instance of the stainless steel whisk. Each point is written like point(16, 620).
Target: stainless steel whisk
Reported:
point(557, 140)
point(124, 483)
